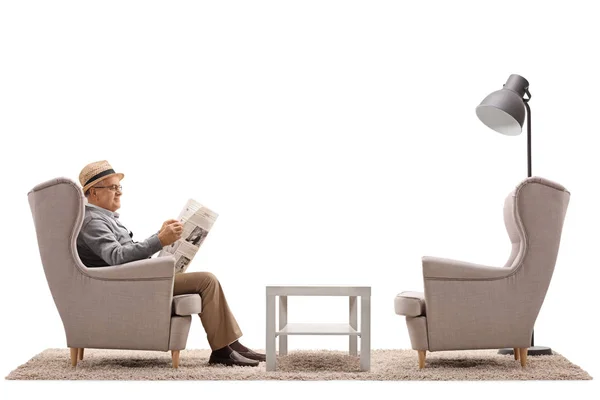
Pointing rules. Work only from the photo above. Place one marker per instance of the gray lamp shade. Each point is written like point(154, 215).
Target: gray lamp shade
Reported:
point(504, 110)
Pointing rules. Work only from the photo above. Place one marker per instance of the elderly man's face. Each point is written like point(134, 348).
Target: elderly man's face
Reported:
point(103, 195)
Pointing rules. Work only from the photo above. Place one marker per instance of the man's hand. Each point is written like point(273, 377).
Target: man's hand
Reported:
point(167, 222)
point(170, 232)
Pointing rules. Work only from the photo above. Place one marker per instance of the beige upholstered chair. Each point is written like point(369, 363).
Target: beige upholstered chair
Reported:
point(129, 306)
point(470, 306)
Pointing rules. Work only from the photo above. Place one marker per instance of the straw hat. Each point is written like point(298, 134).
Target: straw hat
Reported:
point(95, 172)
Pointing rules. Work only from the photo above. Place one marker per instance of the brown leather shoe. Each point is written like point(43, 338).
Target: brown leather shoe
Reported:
point(234, 358)
point(252, 355)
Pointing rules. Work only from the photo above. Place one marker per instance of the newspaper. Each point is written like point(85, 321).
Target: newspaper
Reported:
point(197, 221)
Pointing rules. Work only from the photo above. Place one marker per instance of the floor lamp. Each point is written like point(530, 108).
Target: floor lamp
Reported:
point(504, 111)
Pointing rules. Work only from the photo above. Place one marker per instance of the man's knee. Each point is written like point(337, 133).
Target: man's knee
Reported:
point(211, 279)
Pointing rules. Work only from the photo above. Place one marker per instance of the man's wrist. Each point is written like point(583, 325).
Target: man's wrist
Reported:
point(158, 239)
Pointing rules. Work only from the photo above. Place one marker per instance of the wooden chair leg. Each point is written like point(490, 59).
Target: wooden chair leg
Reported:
point(523, 357)
point(175, 357)
point(80, 354)
point(74, 352)
point(422, 354)
point(516, 353)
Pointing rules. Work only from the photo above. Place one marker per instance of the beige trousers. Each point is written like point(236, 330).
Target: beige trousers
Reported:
point(218, 321)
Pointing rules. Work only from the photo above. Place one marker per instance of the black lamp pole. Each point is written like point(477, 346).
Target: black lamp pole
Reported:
point(526, 102)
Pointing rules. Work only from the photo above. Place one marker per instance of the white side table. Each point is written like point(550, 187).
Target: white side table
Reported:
point(349, 329)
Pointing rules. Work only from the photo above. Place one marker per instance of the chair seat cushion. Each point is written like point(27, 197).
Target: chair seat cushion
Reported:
point(187, 304)
point(410, 304)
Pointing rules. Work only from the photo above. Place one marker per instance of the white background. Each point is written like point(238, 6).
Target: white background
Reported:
point(337, 140)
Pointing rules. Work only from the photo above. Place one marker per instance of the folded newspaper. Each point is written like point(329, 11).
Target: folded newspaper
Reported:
point(197, 221)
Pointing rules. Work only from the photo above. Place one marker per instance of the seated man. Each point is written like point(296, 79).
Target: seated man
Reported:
point(104, 241)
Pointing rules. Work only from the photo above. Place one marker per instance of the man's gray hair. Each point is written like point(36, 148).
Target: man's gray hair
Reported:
point(87, 192)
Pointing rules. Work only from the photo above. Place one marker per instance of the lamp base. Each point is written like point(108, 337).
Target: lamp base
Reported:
point(532, 351)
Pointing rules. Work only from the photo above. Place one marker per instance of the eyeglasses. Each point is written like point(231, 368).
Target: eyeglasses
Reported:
point(113, 188)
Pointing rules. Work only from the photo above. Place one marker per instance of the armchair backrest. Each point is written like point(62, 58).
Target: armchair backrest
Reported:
point(57, 207)
point(534, 214)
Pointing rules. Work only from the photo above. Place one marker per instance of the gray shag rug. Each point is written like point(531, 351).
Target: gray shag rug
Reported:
point(321, 365)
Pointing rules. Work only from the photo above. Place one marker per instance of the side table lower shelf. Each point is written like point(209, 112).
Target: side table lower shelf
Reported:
point(317, 329)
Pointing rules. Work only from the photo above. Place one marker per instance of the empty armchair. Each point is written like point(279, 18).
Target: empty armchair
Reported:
point(471, 306)
point(129, 306)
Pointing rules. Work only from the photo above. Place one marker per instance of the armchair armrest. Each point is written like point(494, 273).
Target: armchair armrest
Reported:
point(148, 269)
point(125, 306)
point(446, 269)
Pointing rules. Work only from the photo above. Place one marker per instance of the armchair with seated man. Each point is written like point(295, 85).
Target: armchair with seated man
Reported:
point(109, 292)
